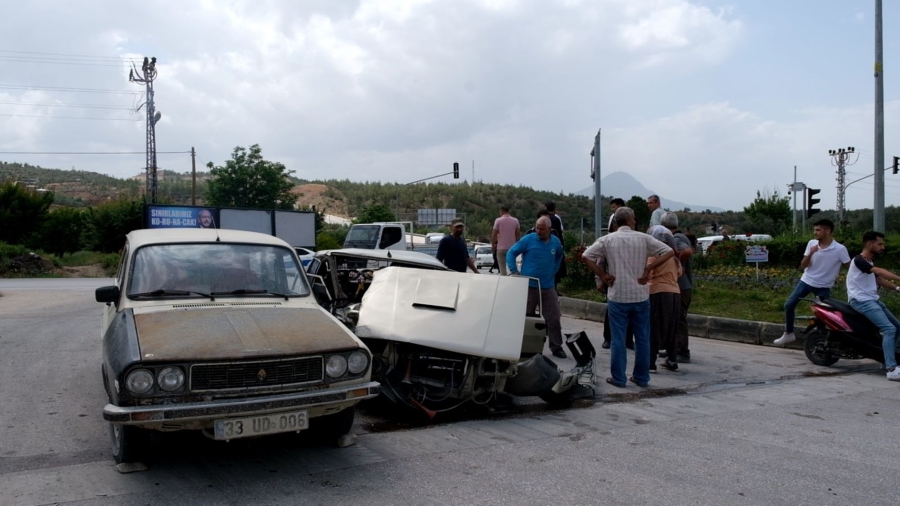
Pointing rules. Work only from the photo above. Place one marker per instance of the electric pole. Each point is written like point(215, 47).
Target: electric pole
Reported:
point(795, 188)
point(595, 175)
point(146, 76)
point(878, 205)
point(841, 158)
point(193, 177)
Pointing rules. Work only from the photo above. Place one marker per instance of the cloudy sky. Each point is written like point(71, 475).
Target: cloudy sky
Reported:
point(704, 101)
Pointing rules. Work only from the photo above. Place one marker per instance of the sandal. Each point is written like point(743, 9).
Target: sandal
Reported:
point(613, 383)
point(640, 384)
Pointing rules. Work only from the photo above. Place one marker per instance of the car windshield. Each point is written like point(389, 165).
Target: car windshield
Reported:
point(215, 268)
point(362, 236)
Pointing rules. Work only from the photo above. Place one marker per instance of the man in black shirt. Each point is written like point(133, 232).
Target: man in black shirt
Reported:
point(452, 251)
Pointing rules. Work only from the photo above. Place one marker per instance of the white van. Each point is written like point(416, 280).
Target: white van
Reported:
point(706, 242)
point(484, 257)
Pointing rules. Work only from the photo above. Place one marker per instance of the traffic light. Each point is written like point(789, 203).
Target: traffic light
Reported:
point(896, 165)
point(455, 170)
point(810, 202)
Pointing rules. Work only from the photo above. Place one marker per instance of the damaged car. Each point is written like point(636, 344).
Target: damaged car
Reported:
point(218, 331)
point(441, 339)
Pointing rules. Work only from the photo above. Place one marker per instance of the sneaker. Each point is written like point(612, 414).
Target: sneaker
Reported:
point(894, 374)
point(653, 368)
point(785, 338)
point(683, 359)
point(663, 354)
point(559, 353)
point(672, 366)
point(605, 345)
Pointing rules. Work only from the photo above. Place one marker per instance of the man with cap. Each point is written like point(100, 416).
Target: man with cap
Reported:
point(452, 250)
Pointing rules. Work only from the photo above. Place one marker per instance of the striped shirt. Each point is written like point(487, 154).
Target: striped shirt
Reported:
point(626, 252)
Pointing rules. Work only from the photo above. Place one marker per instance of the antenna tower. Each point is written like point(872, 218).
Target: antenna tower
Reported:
point(146, 76)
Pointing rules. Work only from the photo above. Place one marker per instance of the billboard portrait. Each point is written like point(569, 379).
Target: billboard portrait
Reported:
point(182, 217)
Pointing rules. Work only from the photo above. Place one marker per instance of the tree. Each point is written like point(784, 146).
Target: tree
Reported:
point(107, 224)
point(375, 213)
point(641, 212)
point(21, 211)
point(249, 180)
point(769, 213)
point(60, 232)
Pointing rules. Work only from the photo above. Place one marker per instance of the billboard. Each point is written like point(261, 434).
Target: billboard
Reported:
point(181, 217)
point(435, 216)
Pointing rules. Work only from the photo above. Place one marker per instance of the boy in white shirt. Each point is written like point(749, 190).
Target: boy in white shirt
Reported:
point(821, 264)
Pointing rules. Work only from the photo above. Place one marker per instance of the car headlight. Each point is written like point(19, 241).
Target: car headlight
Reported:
point(336, 366)
point(357, 362)
point(170, 379)
point(139, 381)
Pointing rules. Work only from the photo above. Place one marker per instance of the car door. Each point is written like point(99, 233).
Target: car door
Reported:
point(110, 310)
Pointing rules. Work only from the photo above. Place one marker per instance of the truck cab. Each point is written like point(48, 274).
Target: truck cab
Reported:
point(379, 236)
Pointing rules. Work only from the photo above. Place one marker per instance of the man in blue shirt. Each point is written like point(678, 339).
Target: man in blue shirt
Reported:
point(452, 251)
point(542, 253)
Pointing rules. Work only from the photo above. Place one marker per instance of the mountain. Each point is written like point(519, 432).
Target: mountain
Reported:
point(624, 186)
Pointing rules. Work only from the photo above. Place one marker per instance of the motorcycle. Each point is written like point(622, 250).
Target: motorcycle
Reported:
point(838, 331)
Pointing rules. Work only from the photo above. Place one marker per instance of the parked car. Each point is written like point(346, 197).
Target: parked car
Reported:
point(484, 256)
point(305, 256)
point(440, 338)
point(706, 242)
point(218, 331)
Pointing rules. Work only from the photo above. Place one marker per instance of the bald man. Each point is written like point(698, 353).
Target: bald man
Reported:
point(541, 256)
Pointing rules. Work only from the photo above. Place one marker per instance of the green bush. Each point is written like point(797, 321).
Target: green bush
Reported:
point(107, 225)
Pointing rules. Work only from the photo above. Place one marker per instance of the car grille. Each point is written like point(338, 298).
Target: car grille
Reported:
point(257, 374)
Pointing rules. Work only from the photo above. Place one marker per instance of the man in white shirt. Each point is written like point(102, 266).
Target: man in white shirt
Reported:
point(863, 281)
point(821, 264)
point(656, 208)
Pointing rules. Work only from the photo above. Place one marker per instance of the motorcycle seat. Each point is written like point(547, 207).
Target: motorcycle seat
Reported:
point(853, 317)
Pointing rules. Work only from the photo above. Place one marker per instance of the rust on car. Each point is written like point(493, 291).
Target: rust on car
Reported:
point(232, 333)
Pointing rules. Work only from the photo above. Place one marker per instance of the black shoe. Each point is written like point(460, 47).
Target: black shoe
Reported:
point(683, 359)
point(663, 354)
point(671, 366)
point(652, 367)
point(559, 353)
point(638, 383)
point(605, 345)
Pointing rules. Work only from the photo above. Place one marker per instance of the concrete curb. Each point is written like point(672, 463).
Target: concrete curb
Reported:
point(707, 327)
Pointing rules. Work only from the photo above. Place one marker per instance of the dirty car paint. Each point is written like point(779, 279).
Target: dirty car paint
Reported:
point(226, 333)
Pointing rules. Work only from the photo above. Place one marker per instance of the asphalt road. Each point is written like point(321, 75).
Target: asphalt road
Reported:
point(739, 425)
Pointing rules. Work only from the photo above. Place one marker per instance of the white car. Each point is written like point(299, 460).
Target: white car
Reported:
point(706, 242)
point(305, 255)
point(484, 257)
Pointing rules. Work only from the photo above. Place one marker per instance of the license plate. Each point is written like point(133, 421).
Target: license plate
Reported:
point(235, 428)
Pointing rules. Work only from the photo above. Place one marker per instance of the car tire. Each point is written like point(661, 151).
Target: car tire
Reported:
point(331, 427)
point(128, 442)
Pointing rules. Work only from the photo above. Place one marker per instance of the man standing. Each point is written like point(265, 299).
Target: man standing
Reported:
point(821, 264)
point(614, 204)
point(656, 210)
point(863, 281)
point(556, 225)
point(452, 251)
point(626, 273)
point(541, 255)
point(506, 233)
point(685, 285)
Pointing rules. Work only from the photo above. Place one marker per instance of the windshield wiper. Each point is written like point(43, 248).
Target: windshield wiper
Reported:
point(162, 292)
point(248, 291)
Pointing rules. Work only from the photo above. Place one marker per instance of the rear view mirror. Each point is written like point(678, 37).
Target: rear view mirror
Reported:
point(107, 294)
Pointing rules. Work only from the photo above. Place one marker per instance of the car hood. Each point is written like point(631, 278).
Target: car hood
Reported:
point(233, 333)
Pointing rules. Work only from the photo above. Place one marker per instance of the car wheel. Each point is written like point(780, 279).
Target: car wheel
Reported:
point(815, 343)
point(331, 427)
point(127, 442)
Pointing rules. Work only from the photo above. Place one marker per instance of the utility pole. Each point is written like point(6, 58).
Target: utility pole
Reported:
point(193, 177)
point(878, 205)
point(473, 171)
point(595, 175)
point(841, 158)
point(146, 76)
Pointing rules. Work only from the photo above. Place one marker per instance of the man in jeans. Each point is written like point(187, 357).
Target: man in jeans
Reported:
point(685, 285)
point(626, 252)
point(506, 233)
point(863, 281)
point(541, 255)
point(821, 264)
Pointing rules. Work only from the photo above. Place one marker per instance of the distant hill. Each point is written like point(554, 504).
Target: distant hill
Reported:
point(624, 186)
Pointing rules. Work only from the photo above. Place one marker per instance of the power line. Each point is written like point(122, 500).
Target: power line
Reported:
point(84, 106)
point(67, 89)
point(77, 63)
point(63, 54)
point(89, 152)
point(67, 117)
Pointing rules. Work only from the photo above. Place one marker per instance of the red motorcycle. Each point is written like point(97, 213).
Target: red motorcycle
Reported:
point(838, 331)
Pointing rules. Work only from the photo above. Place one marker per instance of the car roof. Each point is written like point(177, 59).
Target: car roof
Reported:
point(138, 238)
point(412, 257)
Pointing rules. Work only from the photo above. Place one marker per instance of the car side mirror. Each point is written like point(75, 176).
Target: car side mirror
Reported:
point(107, 294)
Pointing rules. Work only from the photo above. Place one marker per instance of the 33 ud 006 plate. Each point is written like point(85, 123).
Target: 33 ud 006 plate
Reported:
point(234, 428)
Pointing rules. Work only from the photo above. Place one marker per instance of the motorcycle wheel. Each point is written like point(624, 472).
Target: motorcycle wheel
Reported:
point(815, 341)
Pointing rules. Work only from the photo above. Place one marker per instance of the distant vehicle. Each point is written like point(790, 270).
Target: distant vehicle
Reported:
point(706, 242)
point(434, 237)
point(305, 255)
point(391, 236)
point(484, 256)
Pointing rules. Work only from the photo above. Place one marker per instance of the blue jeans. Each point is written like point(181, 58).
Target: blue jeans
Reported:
point(800, 291)
point(878, 314)
point(637, 315)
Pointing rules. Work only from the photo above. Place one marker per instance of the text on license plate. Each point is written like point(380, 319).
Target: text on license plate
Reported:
point(234, 428)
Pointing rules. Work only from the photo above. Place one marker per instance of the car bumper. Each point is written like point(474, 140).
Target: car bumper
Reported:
point(207, 410)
